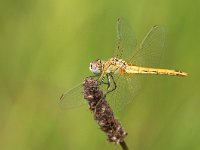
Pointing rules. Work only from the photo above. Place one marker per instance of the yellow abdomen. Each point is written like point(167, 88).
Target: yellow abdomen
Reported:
point(143, 70)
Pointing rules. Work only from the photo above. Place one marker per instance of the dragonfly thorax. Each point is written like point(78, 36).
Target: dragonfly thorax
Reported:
point(116, 65)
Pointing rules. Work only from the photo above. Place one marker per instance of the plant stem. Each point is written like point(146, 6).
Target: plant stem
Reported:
point(123, 145)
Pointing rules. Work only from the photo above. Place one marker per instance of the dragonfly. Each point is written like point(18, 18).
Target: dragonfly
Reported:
point(122, 73)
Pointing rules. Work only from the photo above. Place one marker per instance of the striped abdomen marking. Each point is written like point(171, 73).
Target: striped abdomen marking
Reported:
point(143, 70)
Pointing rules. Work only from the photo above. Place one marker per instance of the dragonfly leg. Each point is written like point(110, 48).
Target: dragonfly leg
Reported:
point(115, 85)
point(108, 77)
point(107, 82)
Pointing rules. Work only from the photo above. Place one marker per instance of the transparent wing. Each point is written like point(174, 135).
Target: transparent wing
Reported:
point(147, 54)
point(127, 88)
point(126, 41)
point(150, 50)
point(72, 98)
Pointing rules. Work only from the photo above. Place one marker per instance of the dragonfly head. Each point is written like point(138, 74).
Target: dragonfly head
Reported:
point(96, 66)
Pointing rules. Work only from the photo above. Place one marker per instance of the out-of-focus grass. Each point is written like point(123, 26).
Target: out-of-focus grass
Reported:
point(45, 49)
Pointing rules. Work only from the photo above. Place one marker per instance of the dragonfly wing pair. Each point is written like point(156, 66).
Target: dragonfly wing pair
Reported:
point(147, 54)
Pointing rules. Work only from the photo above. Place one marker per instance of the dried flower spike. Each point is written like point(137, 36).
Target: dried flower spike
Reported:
point(103, 113)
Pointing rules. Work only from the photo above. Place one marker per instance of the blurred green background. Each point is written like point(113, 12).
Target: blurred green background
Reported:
point(45, 49)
